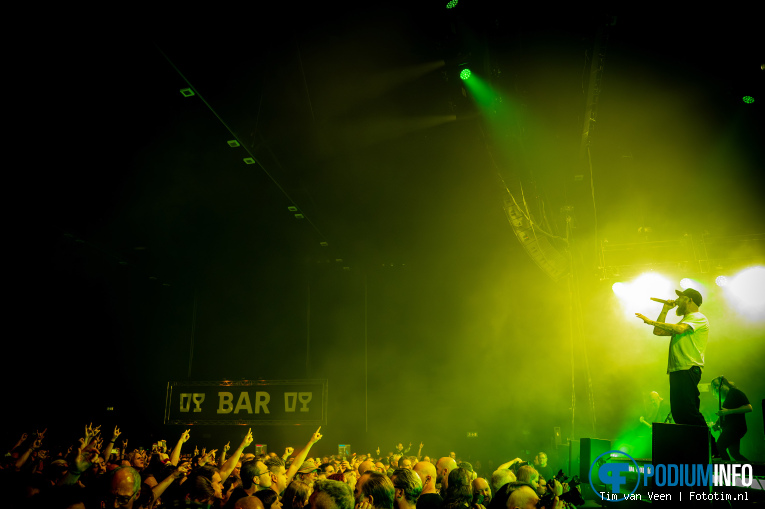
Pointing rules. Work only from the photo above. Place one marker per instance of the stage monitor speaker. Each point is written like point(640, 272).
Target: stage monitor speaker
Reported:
point(573, 458)
point(679, 444)
point(589, 449)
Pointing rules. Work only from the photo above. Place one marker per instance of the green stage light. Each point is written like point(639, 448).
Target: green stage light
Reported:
point(452, 4)
point(465, 74)
point(748, 99)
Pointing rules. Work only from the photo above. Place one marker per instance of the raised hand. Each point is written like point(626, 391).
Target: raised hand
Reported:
point(422, 445)
point(116, 433)
point(316, 436)
point(182, 471)
point(124, 445)
point(196, 451)
point(288, 451)
point(247, 440)
point(185, 436)
point(84, 458)
point(227, 446)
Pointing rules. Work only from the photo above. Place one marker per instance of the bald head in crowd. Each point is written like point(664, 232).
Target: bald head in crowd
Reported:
point(481, 487)
point(427, 473)
point(251, 502)
point(444, 466)
point(501, 477)
point(522, 497)
point(126, 483)
point(366, 466)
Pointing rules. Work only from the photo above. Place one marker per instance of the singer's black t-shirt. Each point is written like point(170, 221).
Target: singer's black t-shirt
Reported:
point(733, 400)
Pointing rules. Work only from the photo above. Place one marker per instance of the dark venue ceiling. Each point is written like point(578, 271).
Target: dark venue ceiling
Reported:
point(134, 211)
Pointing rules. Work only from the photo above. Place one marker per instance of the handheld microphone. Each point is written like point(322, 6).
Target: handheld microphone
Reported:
point(662, 300)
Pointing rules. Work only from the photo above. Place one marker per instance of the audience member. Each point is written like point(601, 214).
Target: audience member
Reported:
point(500, 477)
point(269, 498)
point(459, 492)
point(95, 472)
point(251, 502)
point(545, 471)
point(528, 474)
point(407, 487)
point(481, 489)
point(296, 495)
point(444, 466)
point(375, 490)
point(429, 498)
point(331, 494)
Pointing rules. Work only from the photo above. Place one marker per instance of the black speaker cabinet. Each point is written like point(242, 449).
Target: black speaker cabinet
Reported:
point(589, 450)
point(679, 444)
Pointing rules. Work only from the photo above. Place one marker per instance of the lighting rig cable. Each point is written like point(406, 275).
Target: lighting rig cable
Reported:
point(241, 142)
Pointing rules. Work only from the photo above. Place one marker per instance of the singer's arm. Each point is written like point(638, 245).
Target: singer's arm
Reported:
point(657, 331)
point(668, 329)
point(660, 327)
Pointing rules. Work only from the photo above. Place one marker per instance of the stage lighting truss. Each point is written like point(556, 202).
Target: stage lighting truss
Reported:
point(687, 255)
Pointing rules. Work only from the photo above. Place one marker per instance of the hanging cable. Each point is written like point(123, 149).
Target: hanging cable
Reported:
point(572, 334)
point(366, 358)
point(525, 213)
point(241, 142)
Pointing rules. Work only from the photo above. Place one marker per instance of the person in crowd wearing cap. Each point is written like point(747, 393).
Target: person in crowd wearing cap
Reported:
point(308, 472)
point(686, 354)
point(734, 405)
point(300, 460)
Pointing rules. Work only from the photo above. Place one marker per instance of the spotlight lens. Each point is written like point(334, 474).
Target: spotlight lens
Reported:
point(748, 99)
point(685, 283)
point(465, 74)
point(452, 4)
point(721, 281)
point(619, 288)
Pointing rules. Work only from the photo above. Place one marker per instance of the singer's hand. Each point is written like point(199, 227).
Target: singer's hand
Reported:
point(668, 305)
point(642, 317)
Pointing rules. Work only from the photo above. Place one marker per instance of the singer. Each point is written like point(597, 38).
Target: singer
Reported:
point(686, 354)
